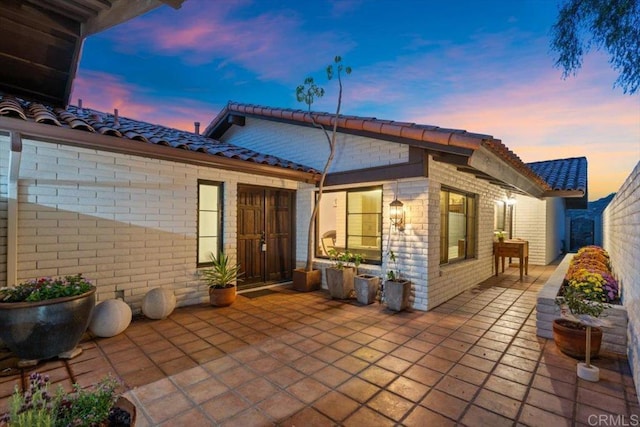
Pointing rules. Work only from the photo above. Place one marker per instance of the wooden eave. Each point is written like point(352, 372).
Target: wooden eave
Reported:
point(96, 141)
point(41, 41)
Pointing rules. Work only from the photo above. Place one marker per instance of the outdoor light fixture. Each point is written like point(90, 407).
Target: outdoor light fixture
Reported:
point(510, 199)
point(396, 214)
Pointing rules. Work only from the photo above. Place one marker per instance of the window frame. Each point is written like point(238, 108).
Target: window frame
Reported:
point(471, 226)
point(220, 185)
point(347, 191)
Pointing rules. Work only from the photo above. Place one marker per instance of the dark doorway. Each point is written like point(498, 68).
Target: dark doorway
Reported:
point(265, 235)
point(581, 233)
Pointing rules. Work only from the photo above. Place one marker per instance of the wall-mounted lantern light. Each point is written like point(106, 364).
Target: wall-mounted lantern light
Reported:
point(396, 214)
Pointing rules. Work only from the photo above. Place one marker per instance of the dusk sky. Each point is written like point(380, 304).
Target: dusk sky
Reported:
point(483, 66)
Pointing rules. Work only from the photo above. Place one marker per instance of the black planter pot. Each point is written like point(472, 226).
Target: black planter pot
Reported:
point(45, 329)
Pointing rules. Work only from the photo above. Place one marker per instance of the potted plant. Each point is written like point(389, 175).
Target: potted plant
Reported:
point(340, 275)
point(221, 278)
point(366, 285)
point(584, 296)
point(307, 279)
point(46, 317)
point(396, 291)
point(99, 405)
point(500, 235)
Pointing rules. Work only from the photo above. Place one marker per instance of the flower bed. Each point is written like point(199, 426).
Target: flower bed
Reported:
point(588, 272)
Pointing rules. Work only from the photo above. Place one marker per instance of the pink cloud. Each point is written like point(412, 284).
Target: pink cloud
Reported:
point(272, 45)
point(134, 102)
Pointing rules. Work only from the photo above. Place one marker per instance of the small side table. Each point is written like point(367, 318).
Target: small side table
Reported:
point(515, 248)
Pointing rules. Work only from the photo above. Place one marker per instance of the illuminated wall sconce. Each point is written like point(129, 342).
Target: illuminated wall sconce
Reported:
point(510, 199)
point(396, 214)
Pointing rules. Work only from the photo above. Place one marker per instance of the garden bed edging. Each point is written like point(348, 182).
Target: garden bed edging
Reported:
point(614, 337)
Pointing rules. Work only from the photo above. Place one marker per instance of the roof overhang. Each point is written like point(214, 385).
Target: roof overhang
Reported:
point(480, 155)
point(95, 141)
point(44, 41)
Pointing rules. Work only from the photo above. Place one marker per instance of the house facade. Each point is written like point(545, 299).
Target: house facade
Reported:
point(136, 206)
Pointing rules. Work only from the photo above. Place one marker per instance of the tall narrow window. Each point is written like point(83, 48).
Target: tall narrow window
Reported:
point(457, 226)
point(209, 220)
point(351, 220)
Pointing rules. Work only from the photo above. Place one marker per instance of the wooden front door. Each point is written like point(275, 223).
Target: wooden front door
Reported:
point(265, 235)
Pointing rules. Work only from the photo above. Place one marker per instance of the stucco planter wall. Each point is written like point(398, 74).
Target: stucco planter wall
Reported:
point(614, 337)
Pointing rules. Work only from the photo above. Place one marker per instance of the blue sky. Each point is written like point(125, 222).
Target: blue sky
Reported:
point(482, 66)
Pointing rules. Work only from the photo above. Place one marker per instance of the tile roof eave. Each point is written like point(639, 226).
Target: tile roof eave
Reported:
point(428, 137)
point(97, 141)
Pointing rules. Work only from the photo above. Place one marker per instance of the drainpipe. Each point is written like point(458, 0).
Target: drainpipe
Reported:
point(12, 208)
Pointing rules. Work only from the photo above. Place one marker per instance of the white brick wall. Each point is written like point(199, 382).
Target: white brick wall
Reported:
point(447, 281)
point(621, 238)
point(308, 146)
point(127, 222)
point(4, 170)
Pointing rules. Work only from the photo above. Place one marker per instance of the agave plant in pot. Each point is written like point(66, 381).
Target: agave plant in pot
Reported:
point(46, 317)
point(221, 278)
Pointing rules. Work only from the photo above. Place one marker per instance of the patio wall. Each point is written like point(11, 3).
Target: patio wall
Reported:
point(542, 223)
point(621, 238)
point(127, 222)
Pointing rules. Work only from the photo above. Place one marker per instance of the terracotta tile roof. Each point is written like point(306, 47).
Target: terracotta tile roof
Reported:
point(449, 140)
point(93, 121)
point(563, 174)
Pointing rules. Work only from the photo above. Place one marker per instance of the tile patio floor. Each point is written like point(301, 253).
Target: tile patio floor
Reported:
point(296, 359)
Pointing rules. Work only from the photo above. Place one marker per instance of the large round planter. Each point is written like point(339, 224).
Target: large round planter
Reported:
point(126, 405)
point(571, 338)
point(222, 297)
point(42, 330)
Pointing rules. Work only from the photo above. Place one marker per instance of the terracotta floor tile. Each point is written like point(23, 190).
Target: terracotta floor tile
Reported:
point(308, 365)
point(519, 362)
point(224, 406)
point(358, 389)
point(605, 402)
point(513, 374)
point(555, 387)
point(166, 407)
point(434, 362)
point(351, 364)
point(550, 403)
point(308, 389)
point(157, 390)
point(479, 363)
point(205, 390)
point(409, 389)
point(362, 338)
point(447, 353)
point(328, 354)
point(345, 345)
point(498, 403)
point(308, 417)
point(285, 376)
point(535, 417)
point(377, 375)
point(249, 417)
point(143, 376)
point(526, 353)
point(237, 376)
point(307, 346)
point(383, 345)
point(280, 406)
point(492, 344)
point(178, 365)
point(422, 416)
point(394, 364)
point(557, 373)
point(190, 376)
point(257, 390)
point(367, 417)
point(481, 417)
point(419, 345)
point(468, 374)
point(331, 376)
point(423, 375)
point(287, 354)
point(457, 388)
point(445, 404)
point(336, 405)
point(390, 405)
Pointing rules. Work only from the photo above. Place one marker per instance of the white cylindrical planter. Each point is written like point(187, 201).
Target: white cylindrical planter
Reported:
point(589, 373)
point(158, 303)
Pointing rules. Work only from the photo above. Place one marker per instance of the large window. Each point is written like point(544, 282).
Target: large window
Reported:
point(351, 220)
point(457, 226)
point(209, 220)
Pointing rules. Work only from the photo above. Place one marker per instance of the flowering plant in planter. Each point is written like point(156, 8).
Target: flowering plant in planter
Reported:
point(588, 290)
point(95, 406)
point(45, 288)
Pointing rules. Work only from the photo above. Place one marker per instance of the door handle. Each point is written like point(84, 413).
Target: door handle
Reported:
point(263, 242)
